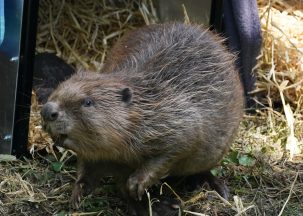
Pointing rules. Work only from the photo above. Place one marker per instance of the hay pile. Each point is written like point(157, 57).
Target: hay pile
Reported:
point(280, 69)
point(81, 32)
point(281, 60)
point(37, 138)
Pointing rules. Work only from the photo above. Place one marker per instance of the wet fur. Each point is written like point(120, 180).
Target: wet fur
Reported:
point(168, 103)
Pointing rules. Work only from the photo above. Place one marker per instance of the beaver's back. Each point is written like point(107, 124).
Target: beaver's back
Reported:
point(187, 58)
point(188, 83)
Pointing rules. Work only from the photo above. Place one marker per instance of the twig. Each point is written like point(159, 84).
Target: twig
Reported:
point(194, 213)
point(167, 185)
point(244, 210)
point(289, 195)
point(186, 17)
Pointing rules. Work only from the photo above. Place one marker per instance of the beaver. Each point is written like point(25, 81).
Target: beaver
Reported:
point(169, 103)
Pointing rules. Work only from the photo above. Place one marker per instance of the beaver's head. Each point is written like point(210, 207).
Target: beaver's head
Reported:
point(88, 111)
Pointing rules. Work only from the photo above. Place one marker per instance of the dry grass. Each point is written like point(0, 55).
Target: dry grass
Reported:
point(258, 170)
point(281, 59)
point(82, 32)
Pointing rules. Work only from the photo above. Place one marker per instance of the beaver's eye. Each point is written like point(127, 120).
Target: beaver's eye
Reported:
point(88, 102)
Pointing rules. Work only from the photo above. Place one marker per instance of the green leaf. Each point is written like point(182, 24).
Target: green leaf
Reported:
point(217, 171)
point(62, 213)
point(7, 157)
point(232, 157)
point(57, 166)
point(246, 160)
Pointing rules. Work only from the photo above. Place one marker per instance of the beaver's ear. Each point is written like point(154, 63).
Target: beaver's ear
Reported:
point(126, 94)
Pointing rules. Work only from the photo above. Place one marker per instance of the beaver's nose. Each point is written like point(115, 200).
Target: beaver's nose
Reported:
point(49, 111)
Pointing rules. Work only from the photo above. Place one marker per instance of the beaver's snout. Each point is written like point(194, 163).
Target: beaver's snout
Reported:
point(50, 112)
point(54, 120)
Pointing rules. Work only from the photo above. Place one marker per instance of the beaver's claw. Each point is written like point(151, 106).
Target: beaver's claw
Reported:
point(136, 185)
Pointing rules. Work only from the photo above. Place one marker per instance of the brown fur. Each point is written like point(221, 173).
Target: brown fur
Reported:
point(170, 104)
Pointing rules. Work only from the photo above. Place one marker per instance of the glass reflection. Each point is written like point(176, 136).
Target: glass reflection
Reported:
point(10, 37)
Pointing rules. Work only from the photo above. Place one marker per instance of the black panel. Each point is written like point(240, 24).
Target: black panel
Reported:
point(216, 15)
point(25, 76)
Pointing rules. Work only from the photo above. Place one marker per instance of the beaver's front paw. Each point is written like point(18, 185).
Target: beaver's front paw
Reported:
point(136, 185)
point(81, 189)
point(76, 196)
